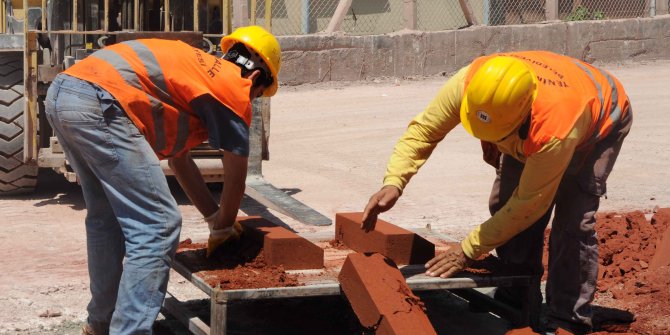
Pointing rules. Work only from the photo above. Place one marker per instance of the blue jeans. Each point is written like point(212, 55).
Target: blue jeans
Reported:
point(130, 211)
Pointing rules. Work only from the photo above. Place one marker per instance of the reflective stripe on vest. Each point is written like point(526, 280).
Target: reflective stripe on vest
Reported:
point(615, 111)
point(157, 79)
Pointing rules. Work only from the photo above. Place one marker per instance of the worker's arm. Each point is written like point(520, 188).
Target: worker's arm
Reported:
point(189, 177)
point(541, 176)
point(425, 131)
point(227, 132)
point(539, 181)
point(423, 134)
point(234, 183)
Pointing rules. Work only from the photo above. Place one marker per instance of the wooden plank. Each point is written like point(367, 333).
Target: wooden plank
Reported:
point(196, 15)
point(661, 7)
point(551, 10)
point(43, 11)
point(467, 11)
point(3, 24)
point(166, 15)
point(340, 12)
point(136, 15)
point(105, 20)
point(268, 15)
point(252, 9)
point(74, 15)
point(241, 13)
point(409, 14)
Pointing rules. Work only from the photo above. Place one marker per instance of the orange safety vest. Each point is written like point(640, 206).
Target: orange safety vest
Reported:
point(155, 80)
point(566, 86)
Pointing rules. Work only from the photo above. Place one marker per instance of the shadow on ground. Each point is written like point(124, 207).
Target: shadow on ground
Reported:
point(333, 315)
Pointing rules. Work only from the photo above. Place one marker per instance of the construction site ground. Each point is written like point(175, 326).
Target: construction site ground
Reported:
point(329, 146)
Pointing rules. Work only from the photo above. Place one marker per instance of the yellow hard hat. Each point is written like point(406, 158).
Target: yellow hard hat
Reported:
point(264, 44)
point(498, 98)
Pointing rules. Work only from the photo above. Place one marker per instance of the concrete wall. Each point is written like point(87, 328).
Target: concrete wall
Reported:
point(321, 58)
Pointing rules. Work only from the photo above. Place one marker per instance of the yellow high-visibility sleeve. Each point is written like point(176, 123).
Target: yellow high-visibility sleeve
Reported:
point(539, 182)
point(425, 131)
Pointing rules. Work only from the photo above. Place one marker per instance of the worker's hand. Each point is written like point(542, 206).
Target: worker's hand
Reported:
point(491, 154)
point(447, 263)
point(217, 237)
point(379, 202)
point(214, 218)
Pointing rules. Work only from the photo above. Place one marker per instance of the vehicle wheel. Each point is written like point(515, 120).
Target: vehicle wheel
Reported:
point(15, 176)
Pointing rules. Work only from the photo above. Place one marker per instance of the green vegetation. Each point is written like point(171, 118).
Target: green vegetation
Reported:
point(582, 13)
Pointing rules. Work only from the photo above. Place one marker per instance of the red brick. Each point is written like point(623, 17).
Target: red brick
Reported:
point(396, 243)
point(282, 246)
point(380, 296)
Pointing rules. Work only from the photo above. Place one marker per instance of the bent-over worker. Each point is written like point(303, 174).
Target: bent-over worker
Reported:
point(559, 124)
point(124, 108)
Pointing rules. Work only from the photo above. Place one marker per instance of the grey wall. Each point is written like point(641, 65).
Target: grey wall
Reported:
point(321, 58)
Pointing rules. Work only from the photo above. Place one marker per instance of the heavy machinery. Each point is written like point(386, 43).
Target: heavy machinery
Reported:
point(41, 38)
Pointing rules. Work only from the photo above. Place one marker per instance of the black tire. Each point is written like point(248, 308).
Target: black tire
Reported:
point(15, 176)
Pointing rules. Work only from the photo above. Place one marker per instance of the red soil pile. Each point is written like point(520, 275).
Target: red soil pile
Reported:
point(337, 244)
point(627, 244)
point(236, 265)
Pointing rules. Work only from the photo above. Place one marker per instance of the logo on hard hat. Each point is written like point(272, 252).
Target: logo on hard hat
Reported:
point(483, 116)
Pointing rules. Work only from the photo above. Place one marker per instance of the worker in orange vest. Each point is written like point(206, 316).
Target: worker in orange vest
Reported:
point(124, 108)
point(552, 126)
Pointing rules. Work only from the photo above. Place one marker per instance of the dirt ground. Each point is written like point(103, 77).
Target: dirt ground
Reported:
point(329, 146)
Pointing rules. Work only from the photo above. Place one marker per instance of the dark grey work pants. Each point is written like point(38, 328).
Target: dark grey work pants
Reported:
point(573, 246)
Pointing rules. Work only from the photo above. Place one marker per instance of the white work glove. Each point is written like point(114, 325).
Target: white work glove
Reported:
point(218, 237)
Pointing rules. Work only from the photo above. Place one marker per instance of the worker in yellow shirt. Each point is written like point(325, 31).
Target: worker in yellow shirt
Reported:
point(552, 126)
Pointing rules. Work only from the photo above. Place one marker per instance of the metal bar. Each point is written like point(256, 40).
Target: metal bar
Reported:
point(136, 15)
point(272, 197)
point(175, 308)
point(268, 15)
point(218, 317)
point(486, 7)
point(409, 16)
point(340, 12)
point(105, 20)
point(479, 300)
point(305, 16)
point(253, 12)
point(166, 15)
point(75, 24)
point(30, 120)
point(551, 10)
point(195, 280)
point(467, 11)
